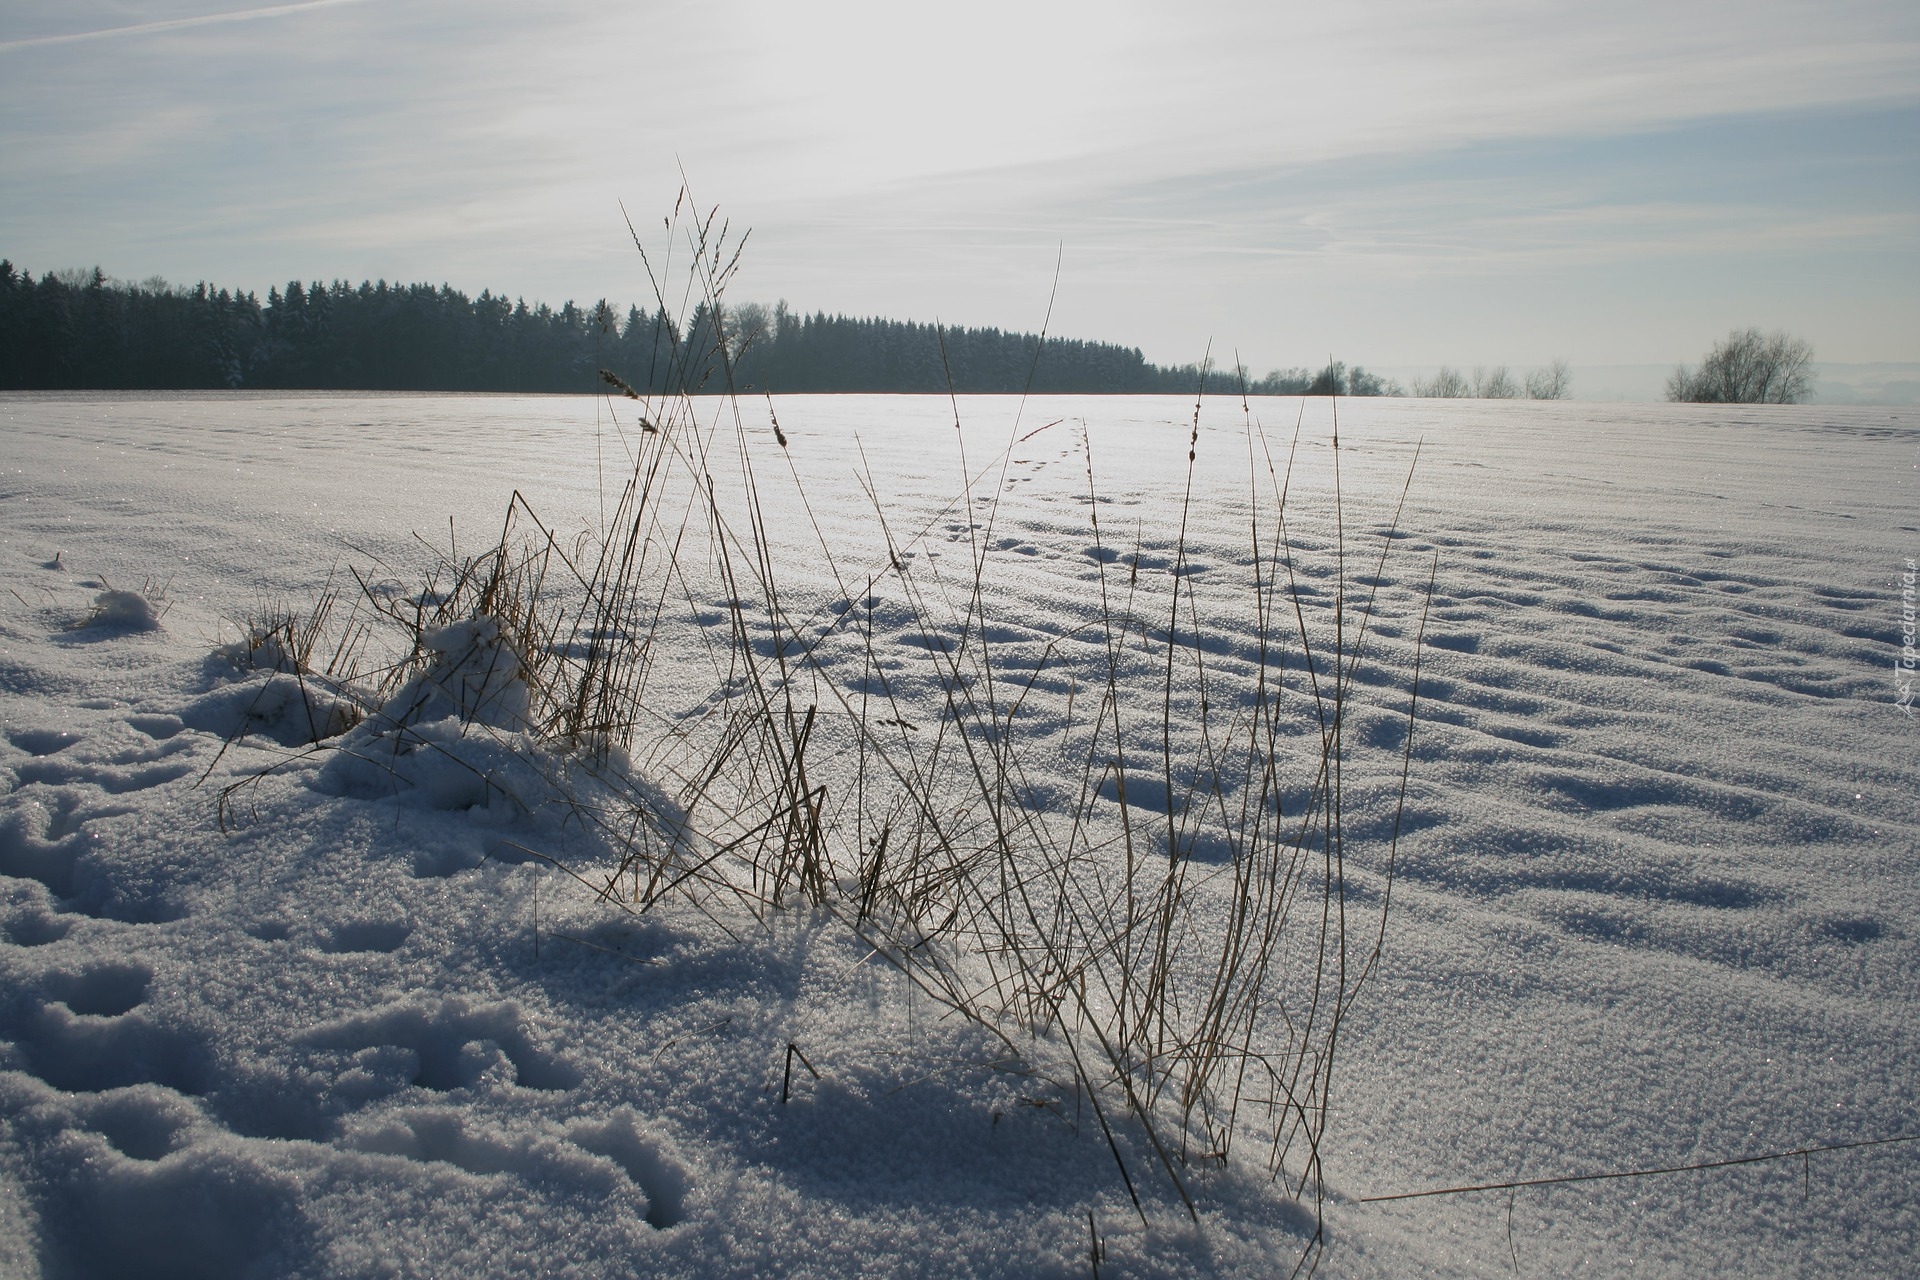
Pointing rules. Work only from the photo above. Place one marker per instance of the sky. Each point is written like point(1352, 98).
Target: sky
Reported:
point(1389, 182)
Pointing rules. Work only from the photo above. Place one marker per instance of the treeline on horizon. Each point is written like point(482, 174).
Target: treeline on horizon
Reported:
point(78, 330)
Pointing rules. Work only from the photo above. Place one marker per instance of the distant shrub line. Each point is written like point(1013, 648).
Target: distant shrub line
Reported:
point(1550, 382)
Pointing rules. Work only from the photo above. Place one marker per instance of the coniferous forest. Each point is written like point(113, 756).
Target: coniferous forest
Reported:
point(83, 331)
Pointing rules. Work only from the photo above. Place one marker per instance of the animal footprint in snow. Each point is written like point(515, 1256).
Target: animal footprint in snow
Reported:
point(42, 742)
point(157, 727)
point(437, 1034)
point(39, 844)
point(133, 771)
point(45, 837)
point(156, 1192)
point(89, 1052)
point(658, 1175)
point(613, 1159)
point(103, 991)
point(350, 936)
point(34, 928)
point(144, 1122)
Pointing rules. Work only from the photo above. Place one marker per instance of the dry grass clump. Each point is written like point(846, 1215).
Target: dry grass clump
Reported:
point(277, 636)
point(1170, 925)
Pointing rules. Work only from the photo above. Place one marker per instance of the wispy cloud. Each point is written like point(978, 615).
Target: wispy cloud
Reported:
point(172, 24)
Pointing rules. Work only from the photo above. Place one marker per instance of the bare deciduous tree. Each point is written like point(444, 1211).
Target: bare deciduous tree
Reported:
point(1448, 384)
point(1494, 384)
point(747, 324)
point(1365, 383)
point(1750, 367)
point(1550, 382)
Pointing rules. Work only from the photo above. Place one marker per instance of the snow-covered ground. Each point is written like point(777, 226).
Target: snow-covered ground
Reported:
point(1656, 904)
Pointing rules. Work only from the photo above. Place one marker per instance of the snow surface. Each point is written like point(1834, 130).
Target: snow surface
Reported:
point(1657, 903)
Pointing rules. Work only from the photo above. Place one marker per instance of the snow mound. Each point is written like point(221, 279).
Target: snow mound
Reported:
point(123, 611)
point(476, 676)
point(263, 648)
point(290, 710)
point(456, 735)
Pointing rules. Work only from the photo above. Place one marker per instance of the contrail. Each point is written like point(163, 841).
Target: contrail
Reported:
point(172, 24)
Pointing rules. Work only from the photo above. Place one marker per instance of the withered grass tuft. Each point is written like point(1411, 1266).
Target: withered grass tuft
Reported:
point(1178, 940)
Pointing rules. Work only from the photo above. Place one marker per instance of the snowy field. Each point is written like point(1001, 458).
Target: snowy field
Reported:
point(1656, 903)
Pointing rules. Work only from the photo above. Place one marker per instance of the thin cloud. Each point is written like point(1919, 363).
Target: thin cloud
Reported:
point(173, 24)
